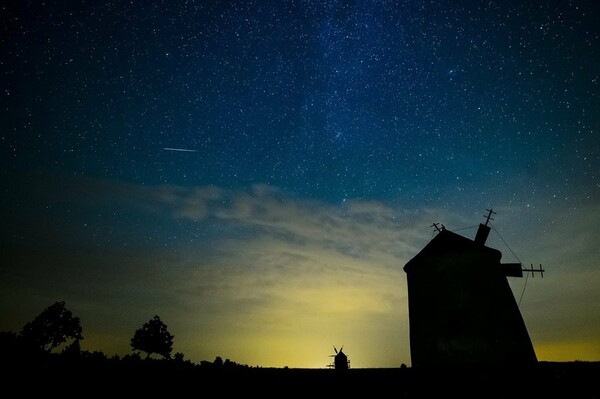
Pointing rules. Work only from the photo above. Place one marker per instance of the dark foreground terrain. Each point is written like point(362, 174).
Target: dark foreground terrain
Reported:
point(85, 377)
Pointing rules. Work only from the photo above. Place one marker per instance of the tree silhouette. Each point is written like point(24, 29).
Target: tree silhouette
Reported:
point(153, 337)
point(54, 326)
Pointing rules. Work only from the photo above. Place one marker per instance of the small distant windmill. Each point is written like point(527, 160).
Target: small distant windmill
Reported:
point(340, 360)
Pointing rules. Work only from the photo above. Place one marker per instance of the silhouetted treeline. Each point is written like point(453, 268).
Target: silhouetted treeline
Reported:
point(18, 352)
point(49, 347)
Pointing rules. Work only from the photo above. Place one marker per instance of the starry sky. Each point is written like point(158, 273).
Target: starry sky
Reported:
point(257, 173)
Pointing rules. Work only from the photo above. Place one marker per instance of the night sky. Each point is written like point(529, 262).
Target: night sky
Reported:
point(257, 173)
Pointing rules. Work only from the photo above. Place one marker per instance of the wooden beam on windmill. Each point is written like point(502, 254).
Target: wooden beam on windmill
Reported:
point(512, 269)
point(438, 228)
point(484, 230)
point(533, 271)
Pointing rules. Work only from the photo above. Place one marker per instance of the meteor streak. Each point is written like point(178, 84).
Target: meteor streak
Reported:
point(178, 149)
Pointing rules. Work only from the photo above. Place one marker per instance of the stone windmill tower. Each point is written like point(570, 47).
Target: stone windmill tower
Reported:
point(461, 308)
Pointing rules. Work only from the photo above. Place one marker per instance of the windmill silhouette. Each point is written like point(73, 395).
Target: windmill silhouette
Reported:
point(340, 360)
point(461, 307)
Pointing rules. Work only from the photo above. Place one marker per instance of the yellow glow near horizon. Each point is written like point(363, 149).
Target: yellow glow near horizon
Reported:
point(300, 328)
point(568, 351)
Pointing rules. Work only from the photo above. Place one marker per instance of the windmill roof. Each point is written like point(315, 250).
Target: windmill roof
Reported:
point(446, 243)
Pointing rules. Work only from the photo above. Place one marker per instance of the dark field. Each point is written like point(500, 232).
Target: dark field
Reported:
point(184, 379)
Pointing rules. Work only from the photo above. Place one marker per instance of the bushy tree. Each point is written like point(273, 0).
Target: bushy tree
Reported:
point(54, 326)
point(153, 337)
